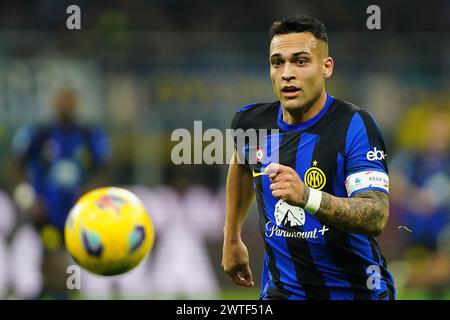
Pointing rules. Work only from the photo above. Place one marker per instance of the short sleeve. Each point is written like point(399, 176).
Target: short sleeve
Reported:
point(237, 129)
point(365, 156)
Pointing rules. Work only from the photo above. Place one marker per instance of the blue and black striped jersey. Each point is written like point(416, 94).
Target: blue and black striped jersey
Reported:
point(339, 151)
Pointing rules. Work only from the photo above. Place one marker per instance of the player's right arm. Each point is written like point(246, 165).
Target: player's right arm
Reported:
point(239, 196)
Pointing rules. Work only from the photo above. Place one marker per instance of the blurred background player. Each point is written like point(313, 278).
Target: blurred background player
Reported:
point(422, 199)
point(55, 163)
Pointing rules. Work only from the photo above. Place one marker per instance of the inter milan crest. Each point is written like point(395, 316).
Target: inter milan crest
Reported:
point(314, 177)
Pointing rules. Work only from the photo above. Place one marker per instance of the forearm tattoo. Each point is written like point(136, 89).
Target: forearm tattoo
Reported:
point(366, 213)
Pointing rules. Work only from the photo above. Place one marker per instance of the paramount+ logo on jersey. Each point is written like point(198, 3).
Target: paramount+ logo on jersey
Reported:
point(289, 223)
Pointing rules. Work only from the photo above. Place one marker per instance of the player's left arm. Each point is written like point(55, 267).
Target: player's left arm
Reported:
point(366, 209)
point(365, 213)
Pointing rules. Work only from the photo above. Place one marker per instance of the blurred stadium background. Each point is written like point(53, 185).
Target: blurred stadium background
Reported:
point(144, 68)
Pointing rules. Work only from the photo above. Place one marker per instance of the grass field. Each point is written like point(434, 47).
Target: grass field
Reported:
point(252, 294)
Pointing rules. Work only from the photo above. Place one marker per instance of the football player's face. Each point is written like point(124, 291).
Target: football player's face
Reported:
point(65, 104)
point(299, 65)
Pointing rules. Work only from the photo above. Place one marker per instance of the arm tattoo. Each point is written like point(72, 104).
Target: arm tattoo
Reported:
point(366, 213)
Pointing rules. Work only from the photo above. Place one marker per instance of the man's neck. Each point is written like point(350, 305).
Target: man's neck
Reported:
point(65, 123)
point(305, 113)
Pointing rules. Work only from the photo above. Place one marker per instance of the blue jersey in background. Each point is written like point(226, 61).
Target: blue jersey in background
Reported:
point(60, 159)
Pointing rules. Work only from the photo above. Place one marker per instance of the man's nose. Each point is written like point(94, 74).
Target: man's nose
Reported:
point(287, 72)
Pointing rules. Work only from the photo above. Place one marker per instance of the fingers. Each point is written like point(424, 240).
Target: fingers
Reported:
point(272, 169)
point(280, 193)
point(248, 275)
point(283, 188)
point(275, 170)
point(241, 275)
point(280, 182)
point(277, 177)
point(279, 185)
point(285, 176)
point(244, 279)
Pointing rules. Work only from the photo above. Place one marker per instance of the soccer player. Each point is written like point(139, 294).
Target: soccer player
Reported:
point(322, 191)
point(57, 162)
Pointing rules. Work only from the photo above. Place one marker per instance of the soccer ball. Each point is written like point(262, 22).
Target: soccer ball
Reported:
point(108, 231)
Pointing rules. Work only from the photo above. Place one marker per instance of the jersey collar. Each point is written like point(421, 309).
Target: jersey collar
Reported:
point(304, 125)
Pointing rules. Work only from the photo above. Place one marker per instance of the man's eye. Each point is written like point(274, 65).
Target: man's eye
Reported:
point(301, 61)
point(276, 62)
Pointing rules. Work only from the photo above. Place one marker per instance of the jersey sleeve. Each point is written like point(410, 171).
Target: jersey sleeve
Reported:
point(238, 129)
point(365, 156)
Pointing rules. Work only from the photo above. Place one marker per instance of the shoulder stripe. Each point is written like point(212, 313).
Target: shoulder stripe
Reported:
point(355, 128)
point(249, 106)
point(372, 130)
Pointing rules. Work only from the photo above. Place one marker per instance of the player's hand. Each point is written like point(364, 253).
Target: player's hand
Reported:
point(286, 184)
point(235, 263)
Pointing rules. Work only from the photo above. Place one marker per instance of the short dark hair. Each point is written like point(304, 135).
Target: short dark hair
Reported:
point(299, 23)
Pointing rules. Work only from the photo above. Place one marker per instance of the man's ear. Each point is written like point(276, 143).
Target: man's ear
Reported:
point(328, 65)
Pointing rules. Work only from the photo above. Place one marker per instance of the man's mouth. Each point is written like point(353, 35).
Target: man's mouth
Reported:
point(290, 91)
